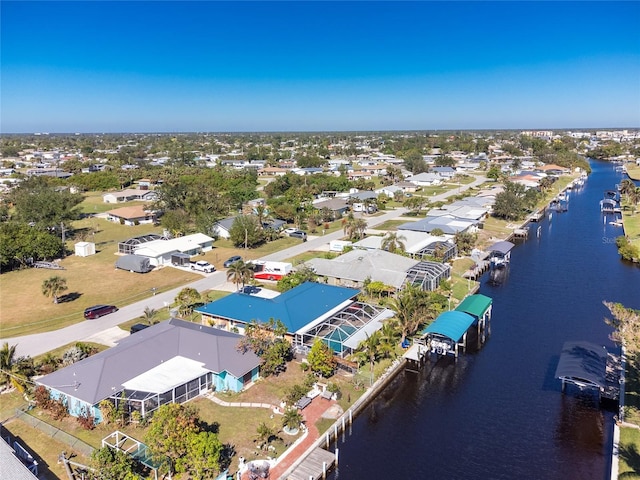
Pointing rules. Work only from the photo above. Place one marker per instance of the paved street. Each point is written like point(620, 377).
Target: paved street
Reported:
point(40, 343)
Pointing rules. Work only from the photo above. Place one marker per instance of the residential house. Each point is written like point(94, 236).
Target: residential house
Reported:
point(159, 251)
point(444, 172)
point(337, 206)
point(130, 194)
point(133, 215)
point(447, 224)
point(309, 311)
point(355, 267)
point(425, 179)
point(273, 171)
point(222, 228)
point(171, 362)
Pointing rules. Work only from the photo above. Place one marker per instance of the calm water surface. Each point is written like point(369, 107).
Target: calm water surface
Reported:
point(499, 413)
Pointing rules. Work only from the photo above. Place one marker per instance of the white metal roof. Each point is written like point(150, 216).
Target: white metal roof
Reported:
point(156, 248)
point(167, 375)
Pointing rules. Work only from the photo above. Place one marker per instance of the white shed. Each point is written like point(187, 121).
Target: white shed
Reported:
point(84, 249)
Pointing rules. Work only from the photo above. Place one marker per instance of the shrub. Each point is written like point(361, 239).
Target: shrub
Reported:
point(42, 397)
point(58, 408)
point(136, 418)
point(109, 413)
point(295, 393)
point(86, 420)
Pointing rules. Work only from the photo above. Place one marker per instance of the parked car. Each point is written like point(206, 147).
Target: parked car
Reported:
point(289, 231)
point(203, 266)
point(98, 311)
point(231, 260)
point(299, 234)
point(136, 327)
point(250, 289)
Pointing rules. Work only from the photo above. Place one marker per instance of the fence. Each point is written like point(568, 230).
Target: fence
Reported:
point(56, 433)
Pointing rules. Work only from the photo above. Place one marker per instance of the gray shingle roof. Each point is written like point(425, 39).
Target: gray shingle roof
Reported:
point(96, 378)
point(357, 265)
point(11, 467)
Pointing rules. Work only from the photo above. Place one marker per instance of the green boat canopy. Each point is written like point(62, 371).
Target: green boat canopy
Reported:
point(451, 324)
point(475, 305)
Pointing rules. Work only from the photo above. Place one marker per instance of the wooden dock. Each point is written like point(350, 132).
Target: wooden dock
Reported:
point(315, 466)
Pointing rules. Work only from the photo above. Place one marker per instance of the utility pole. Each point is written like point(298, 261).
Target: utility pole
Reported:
point(63, 238)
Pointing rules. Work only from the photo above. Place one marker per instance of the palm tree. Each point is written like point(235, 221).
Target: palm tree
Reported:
point(409, 307)
point(14, 371)
point(7, 359)
point(149, 315)
point(264, 434)
point(291, 419)
point(369, 349)
point(634, 196)
point(262, 212)
point(627, 187)
point(53, 287)
point(240, 273)
point(393, 242)
point(389, 336)
point(187, 299)
point(545, 184)
point(354, 227)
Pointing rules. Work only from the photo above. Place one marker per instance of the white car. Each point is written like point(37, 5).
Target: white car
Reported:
point(289, 231)
point(203, 266)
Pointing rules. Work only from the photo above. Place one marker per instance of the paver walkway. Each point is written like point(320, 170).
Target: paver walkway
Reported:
point(311, 414)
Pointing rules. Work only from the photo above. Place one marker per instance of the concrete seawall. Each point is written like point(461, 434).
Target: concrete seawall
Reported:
point(340, 425)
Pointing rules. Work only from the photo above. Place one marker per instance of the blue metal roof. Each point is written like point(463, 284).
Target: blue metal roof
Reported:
point(296, 308)
point(451, 324)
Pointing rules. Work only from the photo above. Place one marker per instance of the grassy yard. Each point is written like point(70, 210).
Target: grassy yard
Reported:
point(633, 172)
point(305, 257)
point(235, 426)
point(93, 203)
point(44, 449)
point(391, 225)
point(239, 426)
point(629, 466)
point(631, 221)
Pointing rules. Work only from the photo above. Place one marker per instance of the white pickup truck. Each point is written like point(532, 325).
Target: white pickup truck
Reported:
point(203, 266)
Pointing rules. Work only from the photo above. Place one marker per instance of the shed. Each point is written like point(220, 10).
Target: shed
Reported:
point(134, 263)
point(84, 249)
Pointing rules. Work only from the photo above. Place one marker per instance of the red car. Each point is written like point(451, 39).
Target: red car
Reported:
point(98, 311)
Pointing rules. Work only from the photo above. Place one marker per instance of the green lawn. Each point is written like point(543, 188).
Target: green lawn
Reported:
point(390, 225)
point(629, 466)
point(633, 172)
point(93, 203)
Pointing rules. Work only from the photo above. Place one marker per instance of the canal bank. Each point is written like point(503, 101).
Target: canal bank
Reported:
point(499, 412)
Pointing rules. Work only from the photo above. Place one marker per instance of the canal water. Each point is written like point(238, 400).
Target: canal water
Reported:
point(498, 413)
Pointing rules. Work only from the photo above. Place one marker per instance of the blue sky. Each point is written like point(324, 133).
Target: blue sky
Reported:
point(314, 66)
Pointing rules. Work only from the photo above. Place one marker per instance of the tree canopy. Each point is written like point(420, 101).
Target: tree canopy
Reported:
point(515, 202)
point(321, 359)
point(37, 201)
point(176, 436)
